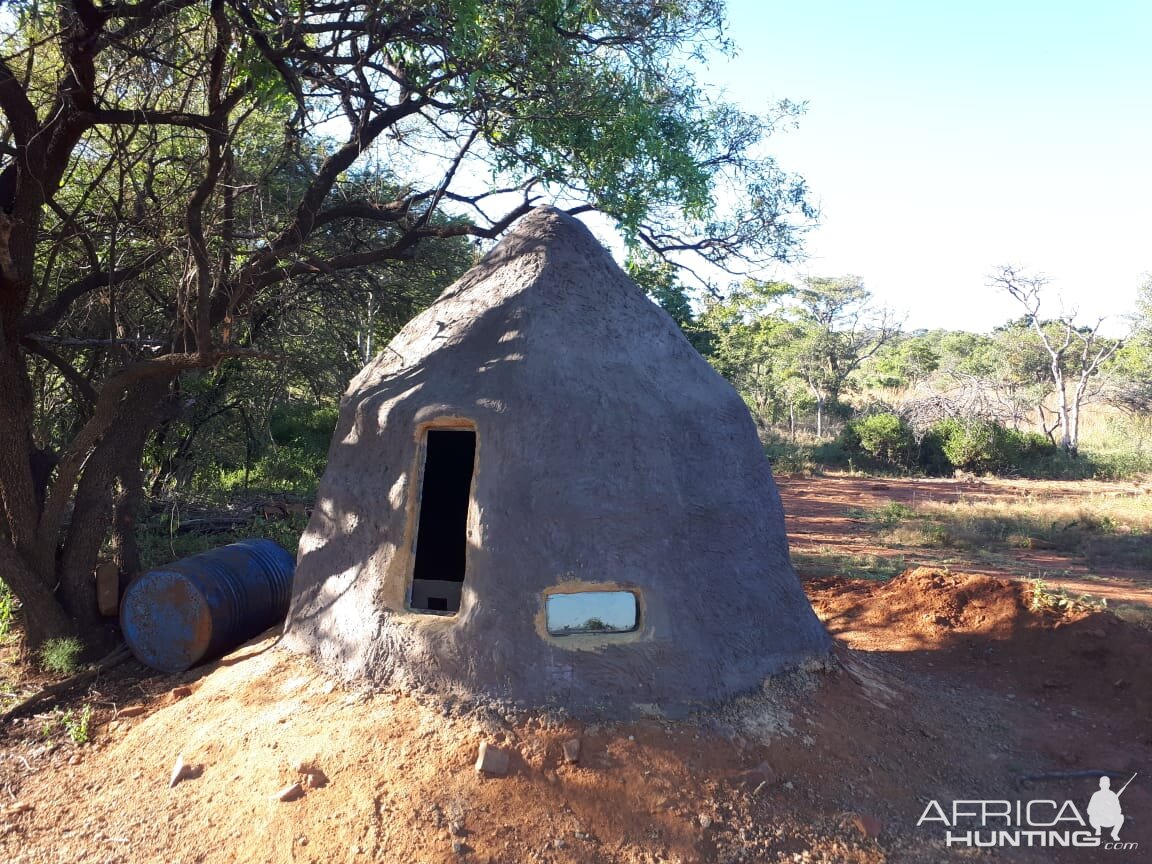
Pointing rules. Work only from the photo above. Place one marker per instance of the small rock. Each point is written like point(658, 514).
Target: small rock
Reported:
point(314, 778)
point(492, 760)
point(559, 843)
point(75, 759)
point(868, 825)
point(456, 828)
point(290, 792)
point(458, 847)
point(181, 692)
point(179, 771)
point(571, 749)
point(131, 711)
point(705, 820)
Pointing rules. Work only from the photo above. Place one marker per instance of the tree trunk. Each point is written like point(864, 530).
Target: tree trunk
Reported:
point(1044, 424)
point(44, 617)
point(130, 498)
point(1074, 428)
point(1067, 443)
point(819, 417)
point(92, 517)
point(56, 587)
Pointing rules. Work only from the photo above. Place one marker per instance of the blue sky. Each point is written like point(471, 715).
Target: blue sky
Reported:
point(943, 139)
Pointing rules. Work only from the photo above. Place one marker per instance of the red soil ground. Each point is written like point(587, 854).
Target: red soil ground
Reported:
point(946, 686)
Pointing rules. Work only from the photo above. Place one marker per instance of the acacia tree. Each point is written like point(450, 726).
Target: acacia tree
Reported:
point(840, 328)
point(1075, 352)
point(751, 344)
point(145, 219)
point(774, 340)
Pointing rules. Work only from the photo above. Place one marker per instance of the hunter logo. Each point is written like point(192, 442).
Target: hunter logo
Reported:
point(1040, 822)
point(1104, 808)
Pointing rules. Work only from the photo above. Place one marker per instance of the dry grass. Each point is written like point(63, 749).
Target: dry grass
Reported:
point(1102, 530)
point(824, 561)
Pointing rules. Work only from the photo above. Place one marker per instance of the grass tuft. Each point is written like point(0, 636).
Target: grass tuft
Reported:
point(61, 655)
point(8, 606)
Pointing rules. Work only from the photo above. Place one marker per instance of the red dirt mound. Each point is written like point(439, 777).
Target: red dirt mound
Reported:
point(1017, 641)
point(922, 608)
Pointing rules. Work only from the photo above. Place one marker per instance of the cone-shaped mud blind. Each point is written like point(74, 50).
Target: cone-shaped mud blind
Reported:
point(612, 515)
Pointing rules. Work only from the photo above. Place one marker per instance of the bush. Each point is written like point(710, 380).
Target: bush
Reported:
point(303, 427)
point(877, 441)
point(930, 456)
point(884, 441)
point(887, 438)
point(8, 606)
point(279, 469)
point(61, 655)
point(788, 457)
point(292, 461)
point(977, 445)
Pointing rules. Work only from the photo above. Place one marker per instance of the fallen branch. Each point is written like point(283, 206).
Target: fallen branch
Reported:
point(115, 658)
point(213, 525)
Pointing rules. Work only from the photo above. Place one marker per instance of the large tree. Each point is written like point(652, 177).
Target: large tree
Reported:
point(751, 342)
point(1075, 352)
point(841, 327)
point(172, 169)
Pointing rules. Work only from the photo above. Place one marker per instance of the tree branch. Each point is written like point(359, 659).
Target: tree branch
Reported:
point(14, 102)
point(83, 385)
point(50, 317)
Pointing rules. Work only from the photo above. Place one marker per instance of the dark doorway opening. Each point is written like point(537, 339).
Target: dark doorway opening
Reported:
point(441, 531)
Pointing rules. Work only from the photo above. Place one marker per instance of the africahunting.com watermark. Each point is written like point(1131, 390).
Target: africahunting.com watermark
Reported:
point(1040, 822)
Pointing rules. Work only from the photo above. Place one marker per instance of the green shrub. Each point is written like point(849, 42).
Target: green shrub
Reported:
point(280, 469)
point(1033, 445)
point(303, 427)
point(834, 454)
point(930, 456)
point(8, 606)
point(887, 438)
point(76, 726)
point(977, 445)
point(61, 655)
point(788, 457)
point(1036, 456)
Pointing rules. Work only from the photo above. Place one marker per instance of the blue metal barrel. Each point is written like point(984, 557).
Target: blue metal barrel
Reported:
point(202, 606)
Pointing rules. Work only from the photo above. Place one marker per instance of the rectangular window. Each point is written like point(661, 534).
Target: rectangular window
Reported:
point(592, 612)
point(442, 526)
